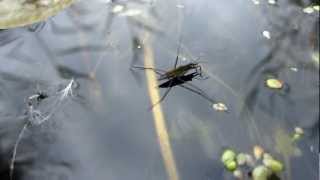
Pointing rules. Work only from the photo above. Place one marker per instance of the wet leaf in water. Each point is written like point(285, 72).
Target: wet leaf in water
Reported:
point(298, 133)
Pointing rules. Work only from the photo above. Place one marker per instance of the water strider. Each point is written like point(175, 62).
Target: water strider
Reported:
point(179, 76)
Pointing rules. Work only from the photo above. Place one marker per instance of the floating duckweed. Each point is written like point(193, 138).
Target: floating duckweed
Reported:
point(228, 155)
point(298, 133)
point(274, 165)
point(249, 160)
point(267, 156)
point(238, 174)
point(258, 152)
point(241, 159)
point(273, 83)
point(231, 165)
point(220, 107)
point(228, 160)
point(261, 173)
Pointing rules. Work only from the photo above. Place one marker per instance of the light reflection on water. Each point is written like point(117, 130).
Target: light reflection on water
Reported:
point(109, 133)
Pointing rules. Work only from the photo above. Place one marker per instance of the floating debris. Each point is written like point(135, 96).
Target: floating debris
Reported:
point(258, 152)
point(256, 2)
point(308, 10)
point(257, 169)
point(272, 2)
point(266, 34)
point(228, 155)
point(117, 8)
point(180, 6)
point(220, 107)
point(238, 174)
point(298, 133)
point(315, 58)
point(274, 165)
point(36, 117)
point(294, 69)
point(241, 159)
point(273, 83)
point(261, 173)
point(228, 159)
point(131, 12)
point(249, 160)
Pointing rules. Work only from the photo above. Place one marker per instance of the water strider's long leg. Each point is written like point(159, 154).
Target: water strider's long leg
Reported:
point(163, 96)
point(158, 71)
point(201, 93)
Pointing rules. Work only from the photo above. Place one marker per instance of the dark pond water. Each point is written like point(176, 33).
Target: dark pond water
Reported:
point(104, 129)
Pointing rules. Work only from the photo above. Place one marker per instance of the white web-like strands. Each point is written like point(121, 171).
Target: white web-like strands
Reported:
point(36, 117)
point(14, 154)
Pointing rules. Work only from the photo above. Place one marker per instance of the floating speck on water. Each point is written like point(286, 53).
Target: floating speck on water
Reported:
point(294, 69)
point(298, 130)
point(266, 34)
point(220, 107)
point(117, 9)
point(131, 13)
point(273, 2)
point(256, 2)
point(184, 59)
point(308, 10)
point(274, 83)
point(180, 6)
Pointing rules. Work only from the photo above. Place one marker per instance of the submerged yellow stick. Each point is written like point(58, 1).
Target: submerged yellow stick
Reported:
point(160, 124)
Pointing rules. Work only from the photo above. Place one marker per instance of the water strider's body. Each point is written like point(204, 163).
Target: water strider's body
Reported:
point(178, 80)
point(180, 71)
